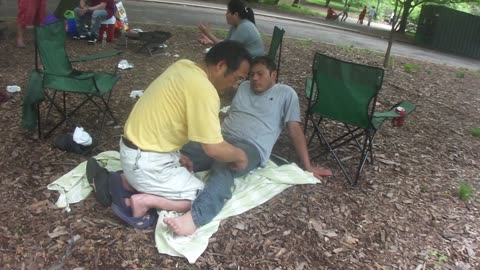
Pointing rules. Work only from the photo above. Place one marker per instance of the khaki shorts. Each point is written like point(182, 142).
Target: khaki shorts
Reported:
point(159, 174)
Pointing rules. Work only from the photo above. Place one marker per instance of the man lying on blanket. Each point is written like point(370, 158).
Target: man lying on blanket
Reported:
point(259, 112)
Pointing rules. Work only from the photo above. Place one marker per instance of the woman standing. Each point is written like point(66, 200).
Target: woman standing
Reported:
point(362, 15)
point(243, 29)
point(30, 12)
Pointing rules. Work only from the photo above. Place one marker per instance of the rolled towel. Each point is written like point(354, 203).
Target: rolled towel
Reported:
point(82, 137)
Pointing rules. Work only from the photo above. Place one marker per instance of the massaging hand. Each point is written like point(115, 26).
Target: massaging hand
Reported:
point(186, 162)
point(241, 163)
point(319, 172)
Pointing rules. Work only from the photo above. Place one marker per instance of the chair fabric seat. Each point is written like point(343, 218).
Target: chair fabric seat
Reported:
point(276, 47)
point(85, 82)
point(346, 93)
point(58, 77)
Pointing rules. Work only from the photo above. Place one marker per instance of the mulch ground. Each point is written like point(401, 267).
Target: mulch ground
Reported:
point(406, 213)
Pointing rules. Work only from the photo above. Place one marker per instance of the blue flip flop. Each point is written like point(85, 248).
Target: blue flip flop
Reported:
point(125, 214)
point(117, 191)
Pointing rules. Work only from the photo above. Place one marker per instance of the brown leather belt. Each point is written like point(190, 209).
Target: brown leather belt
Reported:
point(129, 144)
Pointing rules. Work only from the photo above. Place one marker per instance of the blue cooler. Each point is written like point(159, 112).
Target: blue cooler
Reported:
point(71, 26)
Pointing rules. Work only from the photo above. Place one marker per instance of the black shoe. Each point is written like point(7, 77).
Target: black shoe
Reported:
point(65, 142)
point(92, 40)
point(81, 37)
point(99, 178)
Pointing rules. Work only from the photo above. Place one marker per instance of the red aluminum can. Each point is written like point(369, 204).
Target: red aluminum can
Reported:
point(399, 120)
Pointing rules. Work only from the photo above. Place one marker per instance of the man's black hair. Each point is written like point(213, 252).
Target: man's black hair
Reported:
point(266, 61)
point(232, 52)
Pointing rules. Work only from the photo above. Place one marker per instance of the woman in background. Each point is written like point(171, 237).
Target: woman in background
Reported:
point(243, 29)
point(30, 12)
point(362, 15)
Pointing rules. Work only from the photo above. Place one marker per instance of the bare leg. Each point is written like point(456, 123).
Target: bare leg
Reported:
point(20, 33)
point(182, 225)
point(141, 203)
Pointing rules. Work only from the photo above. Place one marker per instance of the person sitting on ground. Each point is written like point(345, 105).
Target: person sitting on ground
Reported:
point(260, 110)
point(95, 14)
point(243, 29)
point(331, 14)
point(371, 15)
point(361, 17)
point(181, 105)
point(345, 13)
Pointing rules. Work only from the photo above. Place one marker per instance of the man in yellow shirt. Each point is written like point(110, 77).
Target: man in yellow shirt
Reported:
point(181, 105)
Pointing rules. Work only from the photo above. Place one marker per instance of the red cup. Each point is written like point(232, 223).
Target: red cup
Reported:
point(399, 120)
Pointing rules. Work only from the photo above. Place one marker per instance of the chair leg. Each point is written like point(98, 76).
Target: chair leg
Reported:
point(363, 157)
point(39, 118)
point(62, 111)
point(107, 110)
point(331, 150)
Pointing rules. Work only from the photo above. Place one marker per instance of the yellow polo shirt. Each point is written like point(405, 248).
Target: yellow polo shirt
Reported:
point(181, 105)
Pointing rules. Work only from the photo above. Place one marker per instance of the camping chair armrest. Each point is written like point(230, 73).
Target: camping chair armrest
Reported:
point(389, 114)
point(96, 56)
point(408, 106)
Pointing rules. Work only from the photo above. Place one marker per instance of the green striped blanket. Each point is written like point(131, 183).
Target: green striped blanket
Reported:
point(251, 190)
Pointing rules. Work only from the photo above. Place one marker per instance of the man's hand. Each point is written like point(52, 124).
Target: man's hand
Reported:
point(204, 28)
point(186, 162)
point(204, 40)
point(319, 172)
point(241, 163)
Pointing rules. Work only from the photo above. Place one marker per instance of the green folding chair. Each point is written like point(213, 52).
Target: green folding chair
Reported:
point(276, 47)
point(59, 77)
point(346, 93)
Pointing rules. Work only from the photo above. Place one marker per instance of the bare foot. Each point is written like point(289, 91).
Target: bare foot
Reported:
point(139, 204)
point(128, 202)
point(182, 225)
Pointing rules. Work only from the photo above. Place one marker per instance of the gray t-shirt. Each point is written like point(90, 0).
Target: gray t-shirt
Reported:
point(260, 118)
point(247, 34)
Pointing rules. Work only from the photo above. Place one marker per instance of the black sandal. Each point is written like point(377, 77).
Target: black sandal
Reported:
point(98, 177)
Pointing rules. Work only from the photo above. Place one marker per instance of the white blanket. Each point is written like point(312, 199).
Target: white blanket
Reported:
point(251, 190)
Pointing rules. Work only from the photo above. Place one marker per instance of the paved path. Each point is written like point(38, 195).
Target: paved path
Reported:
point(319, 30)
point(183, 12)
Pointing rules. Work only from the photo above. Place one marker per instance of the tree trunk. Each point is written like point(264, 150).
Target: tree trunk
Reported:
point(295, 2)
point(406, 11)
point(327, 2)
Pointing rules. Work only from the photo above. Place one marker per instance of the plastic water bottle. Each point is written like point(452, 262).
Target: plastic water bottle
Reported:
point(104, 39)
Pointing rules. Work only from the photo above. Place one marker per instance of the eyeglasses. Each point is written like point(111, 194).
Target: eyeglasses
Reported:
point(238, 78)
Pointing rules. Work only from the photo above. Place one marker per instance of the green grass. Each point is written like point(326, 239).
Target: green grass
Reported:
point(465, 191)
point(475, 132)
point(299, 9)
point(439, 258)
point(305, 43)
point(460, 75)
point(410, 67)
